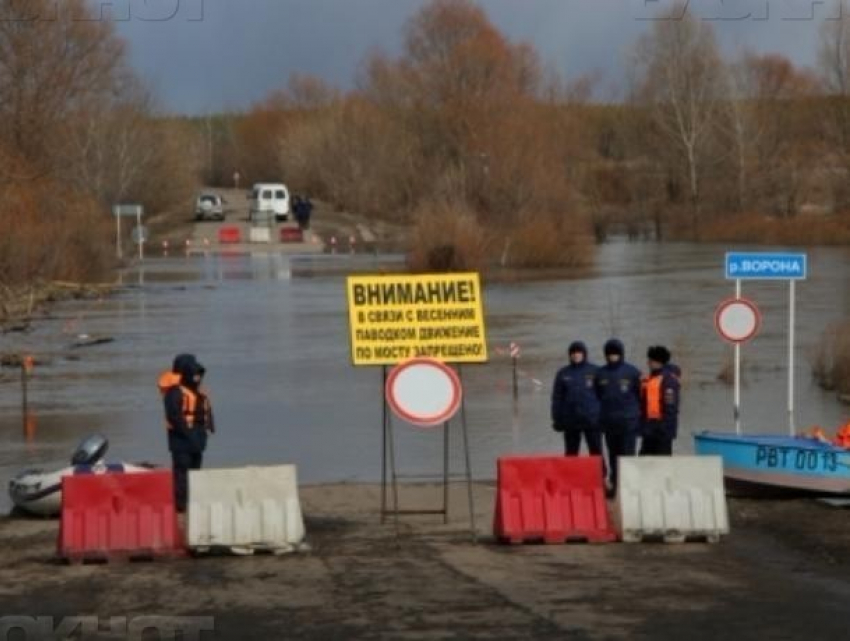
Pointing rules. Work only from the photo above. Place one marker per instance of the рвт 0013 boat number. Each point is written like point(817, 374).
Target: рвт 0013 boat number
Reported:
point(783, 457)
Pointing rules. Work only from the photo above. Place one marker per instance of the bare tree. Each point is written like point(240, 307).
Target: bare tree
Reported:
point(53, 62)
point(834, 68)
point(679, 77)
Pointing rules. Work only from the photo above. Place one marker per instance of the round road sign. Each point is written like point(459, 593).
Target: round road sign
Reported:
point(737, 320)
point(140, 235)
point(424, 392)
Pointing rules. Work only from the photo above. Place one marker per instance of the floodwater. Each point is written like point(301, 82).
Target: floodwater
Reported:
point(272, 332)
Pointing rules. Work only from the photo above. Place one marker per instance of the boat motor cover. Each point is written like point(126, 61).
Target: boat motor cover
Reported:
point(90, 451)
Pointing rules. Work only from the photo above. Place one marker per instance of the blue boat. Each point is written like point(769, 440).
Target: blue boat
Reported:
point(773, 462)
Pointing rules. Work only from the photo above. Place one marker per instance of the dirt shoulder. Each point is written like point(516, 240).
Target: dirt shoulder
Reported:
point(782, 574)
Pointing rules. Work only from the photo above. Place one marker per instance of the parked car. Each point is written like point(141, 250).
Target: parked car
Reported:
point(209, 207)
point(269, 201)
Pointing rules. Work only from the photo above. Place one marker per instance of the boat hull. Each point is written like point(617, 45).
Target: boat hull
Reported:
point(39, 493)
point(779, 462)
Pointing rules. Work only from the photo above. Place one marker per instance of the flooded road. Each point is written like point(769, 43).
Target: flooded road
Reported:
point(272, 332)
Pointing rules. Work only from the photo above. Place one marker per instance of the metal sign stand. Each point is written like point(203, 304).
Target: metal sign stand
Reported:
point(792, 304)
point(737, 375)
point(766, 266)
point(791, 338)
point(390, 475)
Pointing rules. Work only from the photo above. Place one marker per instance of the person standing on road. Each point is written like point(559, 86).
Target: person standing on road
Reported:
point(659, 404)
point(308, 211)
point(575, 407)
point(298, 210)
point(618, 387)
point(188, 416)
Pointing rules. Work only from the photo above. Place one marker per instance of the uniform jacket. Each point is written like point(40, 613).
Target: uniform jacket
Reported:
point(574, 401)
point(618, 388)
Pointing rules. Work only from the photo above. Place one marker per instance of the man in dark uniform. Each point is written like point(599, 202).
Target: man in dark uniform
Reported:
point(575, 407)
point(188, 415)
point(618, 387)
point(659, 404)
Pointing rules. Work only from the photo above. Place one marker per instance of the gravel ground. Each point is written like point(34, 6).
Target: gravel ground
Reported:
point(783, 573)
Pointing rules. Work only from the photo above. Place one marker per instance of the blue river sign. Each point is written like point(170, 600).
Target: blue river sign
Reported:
point(766, 266)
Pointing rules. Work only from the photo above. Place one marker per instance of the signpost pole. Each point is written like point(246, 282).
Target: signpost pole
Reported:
point(737, 374)
point(467, 462)
point(446, 473)
point(118, 251)
point(791, 323)
point(384, 447)
point(393, 475)
point(141, 234)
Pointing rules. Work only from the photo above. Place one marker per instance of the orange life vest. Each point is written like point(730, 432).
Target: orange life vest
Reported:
point(169, 379)
point(842, 439)
point(652, 397)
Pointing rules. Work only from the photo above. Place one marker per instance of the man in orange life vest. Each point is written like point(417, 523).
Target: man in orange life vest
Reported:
point(188, 416)
point(659, 405)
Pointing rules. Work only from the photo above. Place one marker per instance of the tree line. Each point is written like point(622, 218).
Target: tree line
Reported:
point(466, 133)
point(79, 132)
point(485, 151)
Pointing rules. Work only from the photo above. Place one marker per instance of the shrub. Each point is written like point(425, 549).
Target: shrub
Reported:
point(447, 238)
point(549, 241)
point(800, 230)
point(61, 237)
point(831, 366)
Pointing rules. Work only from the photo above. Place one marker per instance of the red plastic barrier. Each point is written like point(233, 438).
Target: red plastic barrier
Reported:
point(118, 515)
point(553, 499)
point(229, 235)
point(291, 235)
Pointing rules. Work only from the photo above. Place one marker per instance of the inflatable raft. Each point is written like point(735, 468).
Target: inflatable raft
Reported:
point(39, 492)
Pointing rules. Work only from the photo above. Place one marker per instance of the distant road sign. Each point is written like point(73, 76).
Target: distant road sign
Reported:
point(766, 266)
point(136, 211)
point(737, 320)
point(424, 392)
point(140, 235)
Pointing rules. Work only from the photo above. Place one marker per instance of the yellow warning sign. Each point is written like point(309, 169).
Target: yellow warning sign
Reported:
point(397, 317)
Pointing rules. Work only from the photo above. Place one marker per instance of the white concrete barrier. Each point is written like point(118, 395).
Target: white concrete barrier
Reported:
point(245, 509)
point(260, 235)
point(674, 498)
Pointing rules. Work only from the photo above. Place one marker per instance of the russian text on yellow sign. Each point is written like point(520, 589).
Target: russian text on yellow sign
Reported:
point(396, 317)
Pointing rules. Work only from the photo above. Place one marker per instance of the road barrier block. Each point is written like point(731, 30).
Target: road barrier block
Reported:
point(551, 499)
point(673, 498)
point(260, 235)
point(251, 508)
point(229, 235)
point(125, 515)
point(291, 235)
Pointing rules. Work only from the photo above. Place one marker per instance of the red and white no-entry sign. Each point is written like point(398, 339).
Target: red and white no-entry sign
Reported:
point(424, 392)
point(737, 320)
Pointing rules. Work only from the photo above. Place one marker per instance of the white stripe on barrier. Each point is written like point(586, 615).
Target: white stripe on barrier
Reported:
point(260, 235)
point(674, 498)
point(251, 507)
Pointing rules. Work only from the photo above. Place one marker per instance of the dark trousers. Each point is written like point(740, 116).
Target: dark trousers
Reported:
point(620, 443)
point(182, 462)
point(656, 445)
point(593, 438)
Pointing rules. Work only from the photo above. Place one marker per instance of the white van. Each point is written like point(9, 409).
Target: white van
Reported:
point(269, 200)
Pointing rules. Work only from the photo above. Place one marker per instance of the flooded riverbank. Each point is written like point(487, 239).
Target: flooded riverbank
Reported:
point(272, 332)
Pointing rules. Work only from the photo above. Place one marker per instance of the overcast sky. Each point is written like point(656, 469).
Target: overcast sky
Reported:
point(213, 55)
